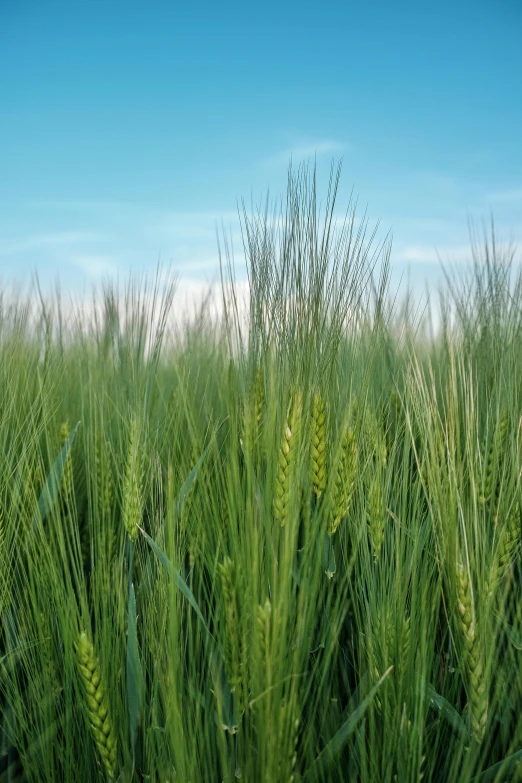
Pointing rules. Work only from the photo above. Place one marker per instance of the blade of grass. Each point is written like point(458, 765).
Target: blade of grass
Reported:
point(443, 707)
point(502, 768)
point(220, 681)
point(329, 754)
point(135, 680)
point(51, 487)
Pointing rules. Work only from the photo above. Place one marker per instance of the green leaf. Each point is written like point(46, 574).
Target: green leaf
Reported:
point(491, 775)
point(176, 577)
point(185, 488)
point(442, 706)
point(184, 491)
point(51, 487)
point(330, 753)
point(222, 690)
point(135, 681)
point(329, 556)
point(228, 718)
point(514, 635)
point(127, 773)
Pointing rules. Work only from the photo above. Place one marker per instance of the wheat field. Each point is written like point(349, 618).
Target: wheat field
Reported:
point(280, 548)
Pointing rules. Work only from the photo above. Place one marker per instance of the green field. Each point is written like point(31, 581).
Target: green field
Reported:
point(276, 549)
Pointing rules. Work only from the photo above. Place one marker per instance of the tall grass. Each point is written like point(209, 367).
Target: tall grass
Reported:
point(284, 548)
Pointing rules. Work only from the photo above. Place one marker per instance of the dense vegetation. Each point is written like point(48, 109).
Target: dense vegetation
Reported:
point(281, 548)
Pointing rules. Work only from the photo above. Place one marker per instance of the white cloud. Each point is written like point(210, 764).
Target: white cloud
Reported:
point(514, 194)
point(171, 226)
point(428, 254)
point(449, 254)
point(302, 150)
point(96, 266)
point(192, 300)
point(45, 241)
point(435, 180)
point(416, 253)
point(72, 204)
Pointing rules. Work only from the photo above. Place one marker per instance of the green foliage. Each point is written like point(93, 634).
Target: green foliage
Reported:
point(276, 583)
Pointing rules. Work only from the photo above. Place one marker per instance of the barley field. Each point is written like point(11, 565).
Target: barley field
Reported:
point(276, 547)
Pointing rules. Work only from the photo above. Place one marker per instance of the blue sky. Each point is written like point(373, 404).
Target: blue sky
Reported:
point(130, 131)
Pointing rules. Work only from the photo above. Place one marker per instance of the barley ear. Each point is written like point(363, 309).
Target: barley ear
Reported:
point(507, 552)
point(258, 403)
point(494, 459)
point(344, 481)
point(318, 444)
point(375, 439)
point(287, 738)
point(132, 507)
point(510, 540)
point(96, 703)
point(377, 656)
point(27, 499)
point(104, 479)
point(263, 632)
point(2, 530)
point(3, 564)
point(253, 413)
point(233, 642)
point(476, 684)
point(375, 514)
point(286, 458)
point(105, 492)
point(67, 478)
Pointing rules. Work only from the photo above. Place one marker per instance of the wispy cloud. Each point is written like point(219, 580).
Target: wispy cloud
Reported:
point(168, 225)
point(515, 194)
point(435, 180)
point(45, 241)
point(302, 150)
point(427, 254)
point(74, 204)
point(96, 266)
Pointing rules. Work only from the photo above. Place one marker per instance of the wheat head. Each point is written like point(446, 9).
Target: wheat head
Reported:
point(476, 684)
point(96, 704)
